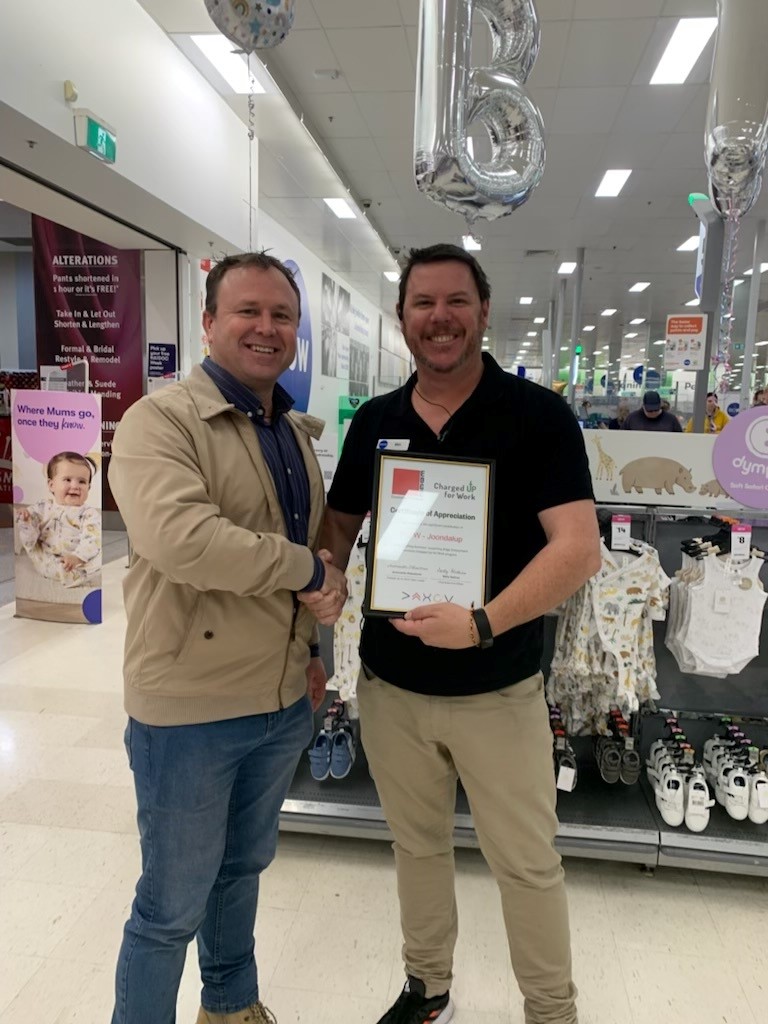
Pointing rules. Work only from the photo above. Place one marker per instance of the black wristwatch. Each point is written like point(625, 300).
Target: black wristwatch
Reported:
point(484, 632)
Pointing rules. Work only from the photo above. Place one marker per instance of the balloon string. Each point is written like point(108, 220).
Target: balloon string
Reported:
point(251, 137)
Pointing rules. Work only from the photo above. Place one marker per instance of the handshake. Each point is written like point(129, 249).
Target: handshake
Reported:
point(326, 604)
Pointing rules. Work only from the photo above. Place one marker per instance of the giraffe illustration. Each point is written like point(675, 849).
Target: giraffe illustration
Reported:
point(607, 467)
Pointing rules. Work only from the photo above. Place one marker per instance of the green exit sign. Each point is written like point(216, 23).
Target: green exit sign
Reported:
point(95, 136)
point(738, 346)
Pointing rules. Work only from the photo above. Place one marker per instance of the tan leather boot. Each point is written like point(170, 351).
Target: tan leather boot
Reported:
point(257, 1013)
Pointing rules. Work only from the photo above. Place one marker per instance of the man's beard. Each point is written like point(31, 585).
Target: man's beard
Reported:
point(424, 361)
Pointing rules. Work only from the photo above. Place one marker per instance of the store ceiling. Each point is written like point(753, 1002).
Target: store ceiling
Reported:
point(591, 84)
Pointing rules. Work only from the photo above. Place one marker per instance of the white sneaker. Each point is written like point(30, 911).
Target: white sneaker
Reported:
point(734, 784)
point(670, 797)
point(697, 802)
point(758, 798)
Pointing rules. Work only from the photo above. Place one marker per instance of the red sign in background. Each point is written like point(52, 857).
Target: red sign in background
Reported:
point(88, 305)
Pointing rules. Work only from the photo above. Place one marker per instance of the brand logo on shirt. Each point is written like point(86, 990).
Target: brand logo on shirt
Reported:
point(297, 379)
point(405, 480)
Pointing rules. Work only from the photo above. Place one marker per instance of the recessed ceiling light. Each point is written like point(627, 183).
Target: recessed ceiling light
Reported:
point(590, 327)
point(613, 182)
point(693, 302)
point(688, 40)
point(632, 334)
point(392, 275)
point(470, 243)
point(341, 208)
point(229, 64)
point(486, 338)
point(608, 312)
point(526, 300)
point(532, 334)
point(606, 348)
point(539, 319)
point(640, 286)
point(637, 320)
point(689, 245)
point(566, 268)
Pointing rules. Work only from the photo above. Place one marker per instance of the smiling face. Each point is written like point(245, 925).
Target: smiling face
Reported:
point(442, 317)
point(252, 334)
point(70, 484)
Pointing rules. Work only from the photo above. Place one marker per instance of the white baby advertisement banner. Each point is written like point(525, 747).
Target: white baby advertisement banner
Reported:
point(646, 468)
point(57, 505)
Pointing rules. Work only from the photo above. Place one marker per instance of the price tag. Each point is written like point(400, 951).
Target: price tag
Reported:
point(722, 602)
point(741, 540)
point(620, 532)
point(566, 778)
point(629, 743)
point(560, 743)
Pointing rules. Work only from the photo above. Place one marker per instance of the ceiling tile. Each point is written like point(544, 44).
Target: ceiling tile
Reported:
point(354, 14)
point(555, 10)
point(586, 110)
point(387, 113)
point(616, 8)
point(546, 70)
point(358, 154)
point(684, 149)
point(604, 52)
point(373, 68)
point(300, 56)
point(690, 8)
point(409, 11)
point(695, 117)
point(633, 150)
point(335, 115)
point(653, 108)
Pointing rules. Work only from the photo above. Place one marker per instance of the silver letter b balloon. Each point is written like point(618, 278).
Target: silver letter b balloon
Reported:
point(736, 137)
point(252, 24)
point(451, 95)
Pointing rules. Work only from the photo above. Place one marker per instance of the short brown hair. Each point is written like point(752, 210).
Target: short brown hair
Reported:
point(79, 460)
point(439, 254)
point(259, 260)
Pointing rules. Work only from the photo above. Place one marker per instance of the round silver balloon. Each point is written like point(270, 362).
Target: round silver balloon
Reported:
point(737, 117)
point(252, 24)
point(452, 97)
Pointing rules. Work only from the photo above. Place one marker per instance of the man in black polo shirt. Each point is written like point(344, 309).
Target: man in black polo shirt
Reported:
point(449, 693)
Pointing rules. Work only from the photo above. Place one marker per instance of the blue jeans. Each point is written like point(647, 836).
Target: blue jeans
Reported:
point(209, 799)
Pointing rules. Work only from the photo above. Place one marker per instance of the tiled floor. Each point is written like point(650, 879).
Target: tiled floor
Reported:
point(677, 948)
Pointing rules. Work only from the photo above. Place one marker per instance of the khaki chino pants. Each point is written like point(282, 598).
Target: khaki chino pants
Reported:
point(500, 745)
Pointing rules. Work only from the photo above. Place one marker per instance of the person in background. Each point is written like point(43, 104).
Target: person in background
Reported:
point(585, 410)
point(714, 420)
point(760, 398)
point(617, 422)
point(651, 416)
point(452, 691)
point(222, 496)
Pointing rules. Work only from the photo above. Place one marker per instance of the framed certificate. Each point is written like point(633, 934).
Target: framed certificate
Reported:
point(431, 529)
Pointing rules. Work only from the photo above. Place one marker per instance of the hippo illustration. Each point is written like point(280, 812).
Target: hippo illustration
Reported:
point(656, 474)
point(713, 489)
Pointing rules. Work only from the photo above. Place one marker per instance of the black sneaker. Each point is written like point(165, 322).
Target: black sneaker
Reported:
point(413, 1007)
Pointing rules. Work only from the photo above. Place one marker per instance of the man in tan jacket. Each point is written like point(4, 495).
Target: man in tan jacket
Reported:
point(222, 497)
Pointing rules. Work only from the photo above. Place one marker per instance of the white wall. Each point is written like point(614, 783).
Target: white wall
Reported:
point(177, 139)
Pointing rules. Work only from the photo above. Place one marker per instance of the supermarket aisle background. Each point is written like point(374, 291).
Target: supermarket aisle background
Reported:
point(680, 946)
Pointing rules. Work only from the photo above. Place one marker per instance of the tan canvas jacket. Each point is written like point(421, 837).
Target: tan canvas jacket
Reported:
point(212, 631)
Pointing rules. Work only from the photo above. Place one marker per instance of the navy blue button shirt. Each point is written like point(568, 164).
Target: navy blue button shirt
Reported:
point(281, 453)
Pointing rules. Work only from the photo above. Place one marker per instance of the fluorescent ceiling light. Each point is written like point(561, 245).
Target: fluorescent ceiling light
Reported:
point(532, 334)
point(692, 302)
point(613, 182)
point(563, 348)
point(539, 319)
point(526, 300)
point(526, 344)
point(738, 281)
point(763, 268)
point(637, 320)
point(757, 344)
point(486, 337)
point(632, 334)
point(392, 275)
point(341, 208)
point(608, 312)
point(606, 348)
point(590, 327)
point(663, 341)
point(230, 65)
point(683, 50)
point(566, 268)
point(486, 348)
point(689, 245)
point(640, 286)
point(470, 243)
